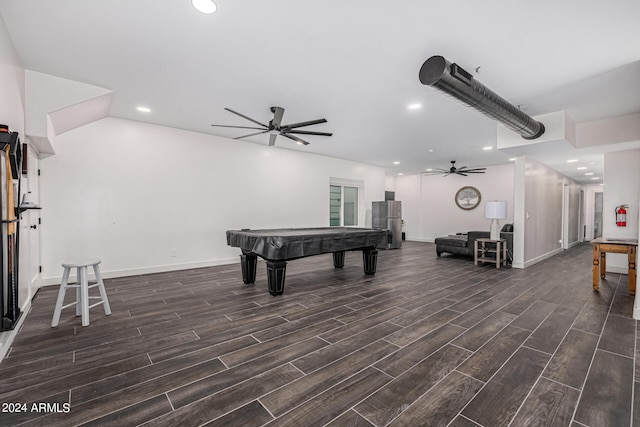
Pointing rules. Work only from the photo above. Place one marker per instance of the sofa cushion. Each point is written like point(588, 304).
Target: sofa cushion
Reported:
point(455, 241)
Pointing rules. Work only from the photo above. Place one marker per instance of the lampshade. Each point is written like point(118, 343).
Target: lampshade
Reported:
point(495, 209)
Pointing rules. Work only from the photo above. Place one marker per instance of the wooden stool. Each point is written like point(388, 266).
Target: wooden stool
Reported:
point(82, 291)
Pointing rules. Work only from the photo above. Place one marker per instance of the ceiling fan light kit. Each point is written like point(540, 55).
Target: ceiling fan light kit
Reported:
point(275, 127)
point(453, 80)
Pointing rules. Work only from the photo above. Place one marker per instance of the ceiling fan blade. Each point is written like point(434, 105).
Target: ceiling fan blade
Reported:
point(272, 139)
point(295, 138)
point(236, 127)
point(307, 132)
point(473, 171)
point(460, 173)
point(301, 124)
point(251, 134)
point(245, 117)
point(278, 112)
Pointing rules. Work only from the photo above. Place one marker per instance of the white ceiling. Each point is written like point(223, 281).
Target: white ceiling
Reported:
point(353, 62)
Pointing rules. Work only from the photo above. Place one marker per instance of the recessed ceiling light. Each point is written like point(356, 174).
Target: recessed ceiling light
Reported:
point(581, 168)
point(589, 173)
point(400, 174)
point(429, 170)
point(487, 148)
point(204, 6)
point(414, 106)
point(396, 163)
point(144, 109)
point(430, 150)
point(572, 160)
point(513, 159)
point(595, 177)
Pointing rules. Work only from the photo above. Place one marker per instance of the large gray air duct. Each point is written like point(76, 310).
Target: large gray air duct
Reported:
point(460, 84)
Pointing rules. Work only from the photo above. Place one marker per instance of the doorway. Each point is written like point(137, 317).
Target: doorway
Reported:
point(597, 215)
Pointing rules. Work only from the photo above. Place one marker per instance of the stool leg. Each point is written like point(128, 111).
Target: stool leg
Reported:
point(61, 292)
point(103, 291)
point(78, 293)
point(84, 293)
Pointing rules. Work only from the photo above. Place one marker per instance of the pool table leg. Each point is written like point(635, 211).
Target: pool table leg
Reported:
point(248, 263)
point(275, 276)
point(338, 259)
point(370, 260)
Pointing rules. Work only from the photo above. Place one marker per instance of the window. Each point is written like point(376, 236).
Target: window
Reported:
point(344, 201)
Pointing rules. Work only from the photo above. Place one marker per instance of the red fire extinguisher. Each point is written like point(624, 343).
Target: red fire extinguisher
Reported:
point(621, 216)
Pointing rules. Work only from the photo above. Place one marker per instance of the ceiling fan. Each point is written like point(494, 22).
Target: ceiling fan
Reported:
point(276, 127)
point(463, 170)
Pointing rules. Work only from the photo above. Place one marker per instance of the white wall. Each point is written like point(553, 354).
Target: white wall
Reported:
point(538, 223)
point(429, 208)
point(621, 187)
point(131, 193)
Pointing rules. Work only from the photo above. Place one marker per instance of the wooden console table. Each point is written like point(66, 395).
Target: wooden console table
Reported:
point(484, 246)
point(600, 248)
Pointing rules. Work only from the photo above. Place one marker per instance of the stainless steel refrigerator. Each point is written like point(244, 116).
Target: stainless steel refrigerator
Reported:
point(388, 214)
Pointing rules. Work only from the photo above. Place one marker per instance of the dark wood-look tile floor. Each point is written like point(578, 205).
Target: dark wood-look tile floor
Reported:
point(427, 341)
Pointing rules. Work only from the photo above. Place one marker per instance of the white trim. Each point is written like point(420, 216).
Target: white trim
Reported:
point(54, 280)
point(346, 182)
point(517, 264)
point(6, 338)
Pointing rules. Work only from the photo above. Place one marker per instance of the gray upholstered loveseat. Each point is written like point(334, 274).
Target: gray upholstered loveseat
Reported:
point(462, 244)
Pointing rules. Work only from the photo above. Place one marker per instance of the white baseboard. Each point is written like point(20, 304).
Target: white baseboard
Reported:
point(6, 338)
point(111, 274)
point(529, 263)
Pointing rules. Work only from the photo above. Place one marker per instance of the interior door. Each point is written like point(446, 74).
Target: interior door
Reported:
point(34, 221)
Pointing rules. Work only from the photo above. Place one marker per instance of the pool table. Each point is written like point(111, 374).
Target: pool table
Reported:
point(277, 246)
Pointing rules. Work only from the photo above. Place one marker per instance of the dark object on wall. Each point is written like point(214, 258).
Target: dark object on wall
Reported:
point(468, 198)
point(276, 127)
point(460, 84)
point(9, 230)
point(389, 195)
point(462, 170)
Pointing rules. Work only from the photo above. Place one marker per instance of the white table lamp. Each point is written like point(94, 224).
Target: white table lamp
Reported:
point(495, 210)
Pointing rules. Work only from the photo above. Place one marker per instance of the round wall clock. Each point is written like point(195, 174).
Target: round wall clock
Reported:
point(468, 198)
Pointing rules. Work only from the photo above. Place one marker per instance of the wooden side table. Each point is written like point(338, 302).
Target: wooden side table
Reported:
point(601, 246)
point(484, 246)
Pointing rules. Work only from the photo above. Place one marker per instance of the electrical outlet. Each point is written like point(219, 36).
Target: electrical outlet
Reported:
point(173, 253)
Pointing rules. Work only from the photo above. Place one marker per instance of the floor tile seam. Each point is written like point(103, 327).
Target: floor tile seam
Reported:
point(257, 399)
point(148, 380)
point(493, 376)
point(325, 390)
point(466, 418)
point(484, 341)
point(425, 356)
point(559, 382)
point(484, 384)
point(123, 408)
point(417, 399)
point(70, 375)
point(144, 343)
point(346, 355)
point(546, 365)
point(593, 356)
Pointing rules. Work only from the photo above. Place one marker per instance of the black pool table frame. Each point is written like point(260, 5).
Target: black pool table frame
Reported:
point(277, 246)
